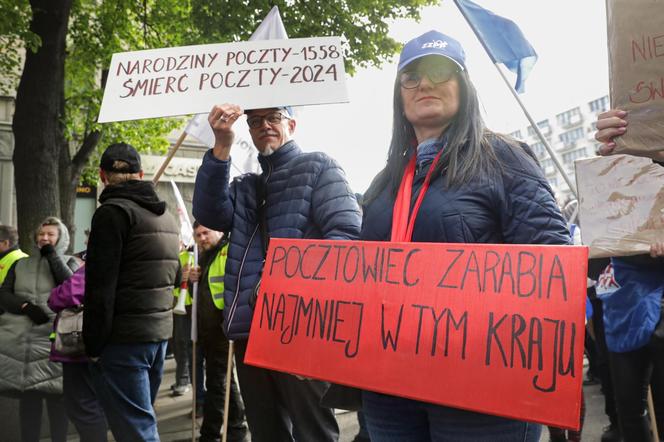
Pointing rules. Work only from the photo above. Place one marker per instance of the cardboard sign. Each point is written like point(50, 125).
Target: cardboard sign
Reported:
point(496, 329)
point(636, 60)
point(621, 201)
point(253, 74)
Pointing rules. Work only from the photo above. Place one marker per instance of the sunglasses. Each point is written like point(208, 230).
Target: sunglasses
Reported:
point(436, 75)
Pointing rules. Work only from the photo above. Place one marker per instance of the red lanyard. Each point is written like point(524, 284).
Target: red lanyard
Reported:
point(403, 221)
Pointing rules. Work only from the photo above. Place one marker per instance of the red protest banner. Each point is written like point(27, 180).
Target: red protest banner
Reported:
point(490, 328)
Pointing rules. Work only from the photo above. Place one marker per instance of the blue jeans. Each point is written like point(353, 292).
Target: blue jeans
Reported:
point(392, 419)
point(127, 378)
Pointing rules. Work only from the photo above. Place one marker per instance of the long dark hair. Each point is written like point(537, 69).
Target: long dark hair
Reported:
point(467, 154)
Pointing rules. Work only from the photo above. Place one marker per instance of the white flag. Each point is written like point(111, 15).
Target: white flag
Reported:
point(186, 229)
point(199, 127)
point(271, 28)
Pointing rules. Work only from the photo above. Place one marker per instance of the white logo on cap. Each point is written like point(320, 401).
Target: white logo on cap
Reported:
point(439, 44)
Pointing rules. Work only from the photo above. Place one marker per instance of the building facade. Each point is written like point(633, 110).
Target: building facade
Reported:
point(571, 134)
point(7, 190)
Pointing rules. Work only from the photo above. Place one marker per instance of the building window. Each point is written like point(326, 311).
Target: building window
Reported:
point(569, 138)
point(572, 116)
point(516, 134)
point(599, 105)
point(538, 149)
point(547, 165)
point(544, 127)
point(569, 157)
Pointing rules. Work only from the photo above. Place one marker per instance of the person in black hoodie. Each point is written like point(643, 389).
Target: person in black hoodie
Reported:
point(132, 267)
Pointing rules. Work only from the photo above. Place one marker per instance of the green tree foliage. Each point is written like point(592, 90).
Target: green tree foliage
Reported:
point(54, 53)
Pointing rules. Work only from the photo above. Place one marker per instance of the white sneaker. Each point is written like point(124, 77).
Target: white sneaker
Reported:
point(181, 390)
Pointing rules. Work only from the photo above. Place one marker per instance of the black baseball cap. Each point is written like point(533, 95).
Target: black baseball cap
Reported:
point(120, 152)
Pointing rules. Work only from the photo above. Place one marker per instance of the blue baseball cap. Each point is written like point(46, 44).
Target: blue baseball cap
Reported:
point(432, 43)
point(287, 109)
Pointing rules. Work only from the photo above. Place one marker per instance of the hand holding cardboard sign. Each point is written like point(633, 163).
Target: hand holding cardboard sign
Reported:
point(657, 249)
point(613, 124)
point(610, 124)
point(221, 119)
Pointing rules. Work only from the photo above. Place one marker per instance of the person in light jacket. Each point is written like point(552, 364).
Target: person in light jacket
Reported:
point(25, 328)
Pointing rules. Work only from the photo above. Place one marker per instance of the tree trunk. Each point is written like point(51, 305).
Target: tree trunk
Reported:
point(67, 190)
point(70, 175)
point(38, 119)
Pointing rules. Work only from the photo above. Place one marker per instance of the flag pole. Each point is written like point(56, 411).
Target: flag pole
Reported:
point(194, 339)
point(651, 411)
point(548, 147)
point(168, 159)
point(227, 396)
point(546, 144)
point(575, 214)
point(193, 393)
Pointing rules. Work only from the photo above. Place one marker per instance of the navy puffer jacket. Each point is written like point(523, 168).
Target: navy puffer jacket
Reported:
point(307, 197)
point(517, 208)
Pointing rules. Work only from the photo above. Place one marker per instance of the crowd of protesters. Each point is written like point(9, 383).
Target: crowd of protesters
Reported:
point(471, 185)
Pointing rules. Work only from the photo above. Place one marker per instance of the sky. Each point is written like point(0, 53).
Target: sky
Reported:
point(568, 35)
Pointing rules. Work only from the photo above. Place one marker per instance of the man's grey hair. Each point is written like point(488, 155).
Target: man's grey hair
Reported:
point(9, 233)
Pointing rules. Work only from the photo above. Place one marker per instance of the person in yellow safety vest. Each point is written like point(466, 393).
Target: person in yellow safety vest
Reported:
point(9, 251)
point(186, 261)
point(216, 273)
point(182, 346)
point(213, 248)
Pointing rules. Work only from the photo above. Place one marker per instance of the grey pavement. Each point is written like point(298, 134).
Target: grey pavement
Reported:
point(175, 423)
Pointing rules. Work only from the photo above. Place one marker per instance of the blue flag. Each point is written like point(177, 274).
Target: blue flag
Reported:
point(502, 39)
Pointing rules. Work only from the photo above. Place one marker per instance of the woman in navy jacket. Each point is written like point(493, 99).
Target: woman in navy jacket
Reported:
point(478, 187)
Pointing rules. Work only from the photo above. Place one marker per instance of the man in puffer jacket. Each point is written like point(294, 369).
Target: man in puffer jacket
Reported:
point(25, 370)
point(298, 195)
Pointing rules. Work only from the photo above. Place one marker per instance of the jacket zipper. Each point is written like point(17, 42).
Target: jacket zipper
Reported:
point(244, 257)
point(237, 289)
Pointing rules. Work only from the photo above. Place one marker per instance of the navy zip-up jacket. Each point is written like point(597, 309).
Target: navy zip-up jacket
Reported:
point(516, 208)
point(307, 197)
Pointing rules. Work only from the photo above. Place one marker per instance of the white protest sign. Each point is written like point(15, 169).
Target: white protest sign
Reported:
point(621, 200)
point(254, 74)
